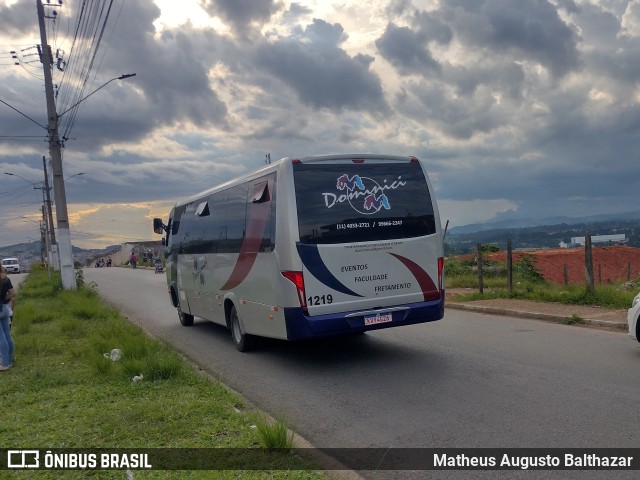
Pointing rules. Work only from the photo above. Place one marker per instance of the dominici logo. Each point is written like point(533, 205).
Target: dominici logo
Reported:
point(365, 195)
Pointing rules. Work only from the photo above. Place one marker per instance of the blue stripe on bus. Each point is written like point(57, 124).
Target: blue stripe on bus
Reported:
point(301, 326)
point(312, 261)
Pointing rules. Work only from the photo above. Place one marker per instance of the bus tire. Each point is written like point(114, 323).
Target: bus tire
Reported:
point(243, 341)
point(186, 320)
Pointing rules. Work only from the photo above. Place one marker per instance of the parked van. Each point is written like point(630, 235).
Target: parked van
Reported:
point(309, 247)
point(11, 264)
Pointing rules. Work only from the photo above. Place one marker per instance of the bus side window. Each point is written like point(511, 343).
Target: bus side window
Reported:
point(176, 236)
point(260, 193)
point(235, 218)
point(175, 227)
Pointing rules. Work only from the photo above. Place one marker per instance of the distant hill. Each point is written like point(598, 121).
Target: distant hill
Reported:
point(515, 223)
point(29, 252)
point(459, 241)
point(20, 249)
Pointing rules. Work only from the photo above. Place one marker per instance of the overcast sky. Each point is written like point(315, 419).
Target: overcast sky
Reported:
point(520, 108)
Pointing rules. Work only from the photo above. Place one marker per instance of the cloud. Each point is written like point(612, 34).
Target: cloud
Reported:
point(322, 74)
point(18, 19)
point(541, 93)
point(297, 10)
point(407, 47)
point(406, 50)
point(474, 210)
point(530, 31)
point(242, 13)
point(631, 19)
point(92, 225)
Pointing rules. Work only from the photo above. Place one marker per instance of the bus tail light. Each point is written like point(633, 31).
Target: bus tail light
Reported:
point(298, 280)
point(440, 272)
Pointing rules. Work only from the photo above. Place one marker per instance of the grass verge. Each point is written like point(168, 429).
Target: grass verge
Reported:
point(65, 393)
point(606, 296)
point(529, 285)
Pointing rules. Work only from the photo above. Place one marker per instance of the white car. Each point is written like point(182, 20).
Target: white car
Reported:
point(11, 264)
point(632, 318)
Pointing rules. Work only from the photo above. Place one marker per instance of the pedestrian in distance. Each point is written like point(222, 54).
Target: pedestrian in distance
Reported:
point(133, 260)
point(7, 299)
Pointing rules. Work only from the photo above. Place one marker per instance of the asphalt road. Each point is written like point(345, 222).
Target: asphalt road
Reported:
point(467, 381)
point(17, 279)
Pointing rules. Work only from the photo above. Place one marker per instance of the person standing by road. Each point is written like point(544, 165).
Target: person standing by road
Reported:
point(7, 294)
point(133, 260)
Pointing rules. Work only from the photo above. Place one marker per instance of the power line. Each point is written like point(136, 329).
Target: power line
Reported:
point(23, 114)
point(24, 64)
point(105, 219)
point(81, 49)
point(24, 138)
point(18, 189)
point(96, 24)
point(30, 204)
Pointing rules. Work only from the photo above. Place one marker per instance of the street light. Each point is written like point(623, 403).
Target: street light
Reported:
point(26, 219)
point(75, 175)
point(46, 187)
point(28, 181)
point(42, 181)
point(121, 77)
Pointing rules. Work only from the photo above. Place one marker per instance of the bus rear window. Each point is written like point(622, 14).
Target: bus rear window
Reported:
point(345, 203)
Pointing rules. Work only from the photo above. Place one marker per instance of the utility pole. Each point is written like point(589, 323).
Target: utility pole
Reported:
point(588, 264)
point(67, 269)
point(52, 234)
point(43, 240)
point(44, 229)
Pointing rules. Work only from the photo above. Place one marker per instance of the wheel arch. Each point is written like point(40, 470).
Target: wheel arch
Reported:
point(229, 302)
point(174, 295)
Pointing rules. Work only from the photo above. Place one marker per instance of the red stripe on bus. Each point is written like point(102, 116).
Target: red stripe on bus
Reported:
point(429, 289)
point(256, 223)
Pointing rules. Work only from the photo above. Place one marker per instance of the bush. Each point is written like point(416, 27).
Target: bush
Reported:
point(527, 269)
point(274, 435)
point(573, 320)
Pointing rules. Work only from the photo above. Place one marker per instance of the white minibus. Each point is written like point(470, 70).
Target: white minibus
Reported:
point(309, 247)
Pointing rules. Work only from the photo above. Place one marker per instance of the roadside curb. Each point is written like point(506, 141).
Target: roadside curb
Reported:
point(594, 322)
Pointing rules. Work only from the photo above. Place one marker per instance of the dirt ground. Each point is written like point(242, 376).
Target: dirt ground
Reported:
point(610, 264)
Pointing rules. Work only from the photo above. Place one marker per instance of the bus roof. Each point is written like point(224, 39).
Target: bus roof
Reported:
point(354, 157)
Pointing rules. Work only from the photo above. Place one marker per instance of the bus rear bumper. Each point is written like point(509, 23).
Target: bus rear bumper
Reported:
point(301, 326)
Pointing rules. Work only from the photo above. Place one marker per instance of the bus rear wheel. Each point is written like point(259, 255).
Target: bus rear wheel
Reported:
point(186, 320)
point(241, 340)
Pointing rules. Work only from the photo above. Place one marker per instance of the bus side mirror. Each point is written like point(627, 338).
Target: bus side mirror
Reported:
point(158, 226)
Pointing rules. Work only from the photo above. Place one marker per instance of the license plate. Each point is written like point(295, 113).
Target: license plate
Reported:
point(375, 319)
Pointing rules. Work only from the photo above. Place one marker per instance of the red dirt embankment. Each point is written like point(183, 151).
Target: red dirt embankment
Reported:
point(610, 264)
